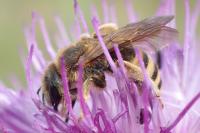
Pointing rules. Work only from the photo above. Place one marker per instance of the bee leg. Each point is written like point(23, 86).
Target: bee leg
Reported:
point(73, 103)
point(38, 91)
point(67, 118)
point(134, 73)
point(55, 107)
point(73, 95)
point(98, 79)
point(43, 99)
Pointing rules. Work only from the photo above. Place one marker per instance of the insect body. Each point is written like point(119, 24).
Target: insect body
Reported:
point(151, 33)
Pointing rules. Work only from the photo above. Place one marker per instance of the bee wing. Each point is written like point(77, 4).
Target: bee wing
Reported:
point(156, 41)
point(148, 33)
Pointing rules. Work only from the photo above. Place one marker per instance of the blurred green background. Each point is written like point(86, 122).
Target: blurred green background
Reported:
point(16, 14)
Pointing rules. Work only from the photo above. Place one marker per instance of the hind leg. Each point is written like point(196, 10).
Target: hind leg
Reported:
point(98, 79)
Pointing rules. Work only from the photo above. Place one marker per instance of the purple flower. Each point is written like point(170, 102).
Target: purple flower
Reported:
point(120, 108)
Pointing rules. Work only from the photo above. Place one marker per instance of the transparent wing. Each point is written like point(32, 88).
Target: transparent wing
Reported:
point(149, 33)
point(156, 41)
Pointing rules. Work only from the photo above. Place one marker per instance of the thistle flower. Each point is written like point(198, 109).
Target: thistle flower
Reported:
point(120, 108)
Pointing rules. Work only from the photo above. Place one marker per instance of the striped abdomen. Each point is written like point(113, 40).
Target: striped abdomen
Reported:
point(134, 70)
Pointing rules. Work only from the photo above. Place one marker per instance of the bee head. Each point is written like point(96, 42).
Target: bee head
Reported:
point(52, 87)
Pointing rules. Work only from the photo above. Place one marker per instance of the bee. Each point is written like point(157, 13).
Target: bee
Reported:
point(150, 33)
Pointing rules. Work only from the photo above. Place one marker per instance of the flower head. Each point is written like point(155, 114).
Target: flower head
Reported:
point(120, 107)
